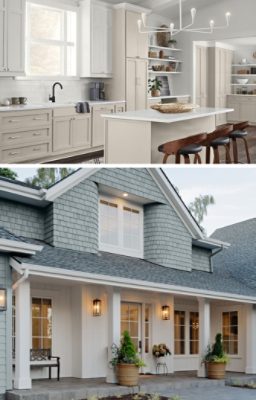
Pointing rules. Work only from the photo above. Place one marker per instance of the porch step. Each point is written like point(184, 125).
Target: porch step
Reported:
point(82, 390)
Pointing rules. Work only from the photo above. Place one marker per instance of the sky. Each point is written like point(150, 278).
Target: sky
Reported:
point(233, 188)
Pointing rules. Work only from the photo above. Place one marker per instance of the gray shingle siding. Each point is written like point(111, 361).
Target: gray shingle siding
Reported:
point(21, 219)
point(166, 240)
point(72, 221)
point(132, 180)
point(5, 334)
point(201, 259)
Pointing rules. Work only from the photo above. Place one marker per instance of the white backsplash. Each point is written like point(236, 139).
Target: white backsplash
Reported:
point(38, 91)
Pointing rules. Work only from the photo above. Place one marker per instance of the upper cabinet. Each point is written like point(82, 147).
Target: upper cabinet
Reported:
point(12, 37)
point(136, 42)
point(96, 39)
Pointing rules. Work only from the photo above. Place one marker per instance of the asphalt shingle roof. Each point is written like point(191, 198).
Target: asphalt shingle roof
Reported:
point(119, 266)
point(240, 259)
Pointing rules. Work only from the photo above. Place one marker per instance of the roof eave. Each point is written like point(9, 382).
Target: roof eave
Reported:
point(13, 246)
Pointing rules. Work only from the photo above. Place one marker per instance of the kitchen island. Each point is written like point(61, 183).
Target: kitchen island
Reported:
point(133, 137)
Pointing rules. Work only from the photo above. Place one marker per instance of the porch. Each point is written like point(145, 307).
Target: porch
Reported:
point(80, 389)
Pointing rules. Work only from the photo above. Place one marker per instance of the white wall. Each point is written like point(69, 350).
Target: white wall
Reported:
point(242, 25)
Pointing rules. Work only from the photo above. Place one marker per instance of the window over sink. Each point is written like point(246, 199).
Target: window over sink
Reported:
point(51, 40)
point(120, 227)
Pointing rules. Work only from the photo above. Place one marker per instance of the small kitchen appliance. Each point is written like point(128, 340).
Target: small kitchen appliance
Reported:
point(97, 91)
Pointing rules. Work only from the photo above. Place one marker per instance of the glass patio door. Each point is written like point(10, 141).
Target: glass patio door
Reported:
point(136, 319)
point(131, 322)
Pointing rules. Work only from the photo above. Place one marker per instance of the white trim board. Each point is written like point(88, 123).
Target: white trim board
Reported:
point(13, 246)
point(84, 277)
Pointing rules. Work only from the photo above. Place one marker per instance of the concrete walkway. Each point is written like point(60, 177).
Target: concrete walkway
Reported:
point(221, 393)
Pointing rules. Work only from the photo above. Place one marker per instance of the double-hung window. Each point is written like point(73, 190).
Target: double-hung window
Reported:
point(51, 41)
point(186, 332)
point(120, 227)
point(41, 323)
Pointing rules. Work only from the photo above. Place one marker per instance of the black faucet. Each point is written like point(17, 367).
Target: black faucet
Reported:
point(53, 98)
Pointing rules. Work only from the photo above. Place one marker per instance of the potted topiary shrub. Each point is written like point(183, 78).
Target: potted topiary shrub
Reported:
point(216, 359)
point(154, 86)
point(126, 361)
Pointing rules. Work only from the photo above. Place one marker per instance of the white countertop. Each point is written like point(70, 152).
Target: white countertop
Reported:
point(155, 116)
point(49, 105)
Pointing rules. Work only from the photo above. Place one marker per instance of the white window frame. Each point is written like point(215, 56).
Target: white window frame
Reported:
point(28, 41)
point(41, 298)
point(229, 311)
point(120, 249)
point(187, 338)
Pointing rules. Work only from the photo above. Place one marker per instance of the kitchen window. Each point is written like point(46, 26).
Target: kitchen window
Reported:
point(120, 227)
point(51, 41)
point(41, 323)
point(230, 332)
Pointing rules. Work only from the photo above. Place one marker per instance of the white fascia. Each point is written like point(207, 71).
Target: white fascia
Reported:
point(12, 246)
point(96, 279)
point(16, 189)
point(68, 183)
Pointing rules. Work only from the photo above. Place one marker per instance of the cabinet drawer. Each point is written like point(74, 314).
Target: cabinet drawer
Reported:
point(65, 111)
point(34, 136)
point(22, 120)
point(25, 153)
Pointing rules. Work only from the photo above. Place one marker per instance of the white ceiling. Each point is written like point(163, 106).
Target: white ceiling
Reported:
point(168, 7)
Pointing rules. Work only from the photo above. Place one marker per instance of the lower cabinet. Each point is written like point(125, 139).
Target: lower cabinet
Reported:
point(136, 84)
point(71, 133)
point(98, 123)
point(244, 108)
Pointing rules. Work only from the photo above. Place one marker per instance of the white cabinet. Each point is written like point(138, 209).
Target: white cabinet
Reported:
point(220, 64)
point(98, 123)
point(136, 43)
point(96, 39)
point(136, 84)
point(71, 131)
point(202, 76)
point(244, 108)
point(12, 37)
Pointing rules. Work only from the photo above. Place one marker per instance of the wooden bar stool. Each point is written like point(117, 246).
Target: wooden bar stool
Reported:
point(184, 147)
point(239, 132)
point(219, 137)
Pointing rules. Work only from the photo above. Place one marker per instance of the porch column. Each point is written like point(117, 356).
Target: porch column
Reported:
point(114, 320)
point(250, 355)
point(23, 336)
point(204, 333)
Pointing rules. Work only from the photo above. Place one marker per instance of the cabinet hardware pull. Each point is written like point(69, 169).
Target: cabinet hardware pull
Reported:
point(14, 137)
point(36, 134)
point(14, 154)
point(14, 120)
point(36, 149)
point(38, 119)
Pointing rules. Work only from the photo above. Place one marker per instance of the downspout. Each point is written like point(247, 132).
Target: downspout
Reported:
point(214, 254)
point(23, 278)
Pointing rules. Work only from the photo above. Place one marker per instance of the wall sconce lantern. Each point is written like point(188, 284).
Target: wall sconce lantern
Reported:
point(96, 308)
point(2, 299)
point(165, 313)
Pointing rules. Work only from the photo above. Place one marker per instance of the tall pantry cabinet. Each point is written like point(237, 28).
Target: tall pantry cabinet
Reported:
point(220, 66)
point(130, 53)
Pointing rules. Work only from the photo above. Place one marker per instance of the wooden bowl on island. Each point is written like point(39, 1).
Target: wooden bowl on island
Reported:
point(174, 108)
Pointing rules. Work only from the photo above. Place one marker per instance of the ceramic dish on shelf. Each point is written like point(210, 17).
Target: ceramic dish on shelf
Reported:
point(242, 81)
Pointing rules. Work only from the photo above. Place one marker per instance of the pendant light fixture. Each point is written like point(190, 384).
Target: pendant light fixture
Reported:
point(144, 28)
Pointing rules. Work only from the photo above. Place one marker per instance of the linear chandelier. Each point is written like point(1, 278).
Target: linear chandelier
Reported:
point(144, 28)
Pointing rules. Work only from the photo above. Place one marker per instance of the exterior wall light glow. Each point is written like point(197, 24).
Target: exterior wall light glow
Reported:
point(125, 195)
point(165, 313)
point(2, 299)
point(96, 308)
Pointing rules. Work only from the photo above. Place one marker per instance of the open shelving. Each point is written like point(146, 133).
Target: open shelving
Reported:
point(163, 48)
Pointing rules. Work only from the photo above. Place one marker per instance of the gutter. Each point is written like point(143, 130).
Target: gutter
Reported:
point(214, 254)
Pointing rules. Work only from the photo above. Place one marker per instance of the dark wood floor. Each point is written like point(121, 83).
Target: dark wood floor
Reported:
point(94, 158)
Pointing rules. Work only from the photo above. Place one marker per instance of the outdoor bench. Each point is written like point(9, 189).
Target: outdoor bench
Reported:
point(44, 358)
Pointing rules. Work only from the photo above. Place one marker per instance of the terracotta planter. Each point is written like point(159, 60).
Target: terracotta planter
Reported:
point(155, 93)
point(127, 374)
point(216, 370)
